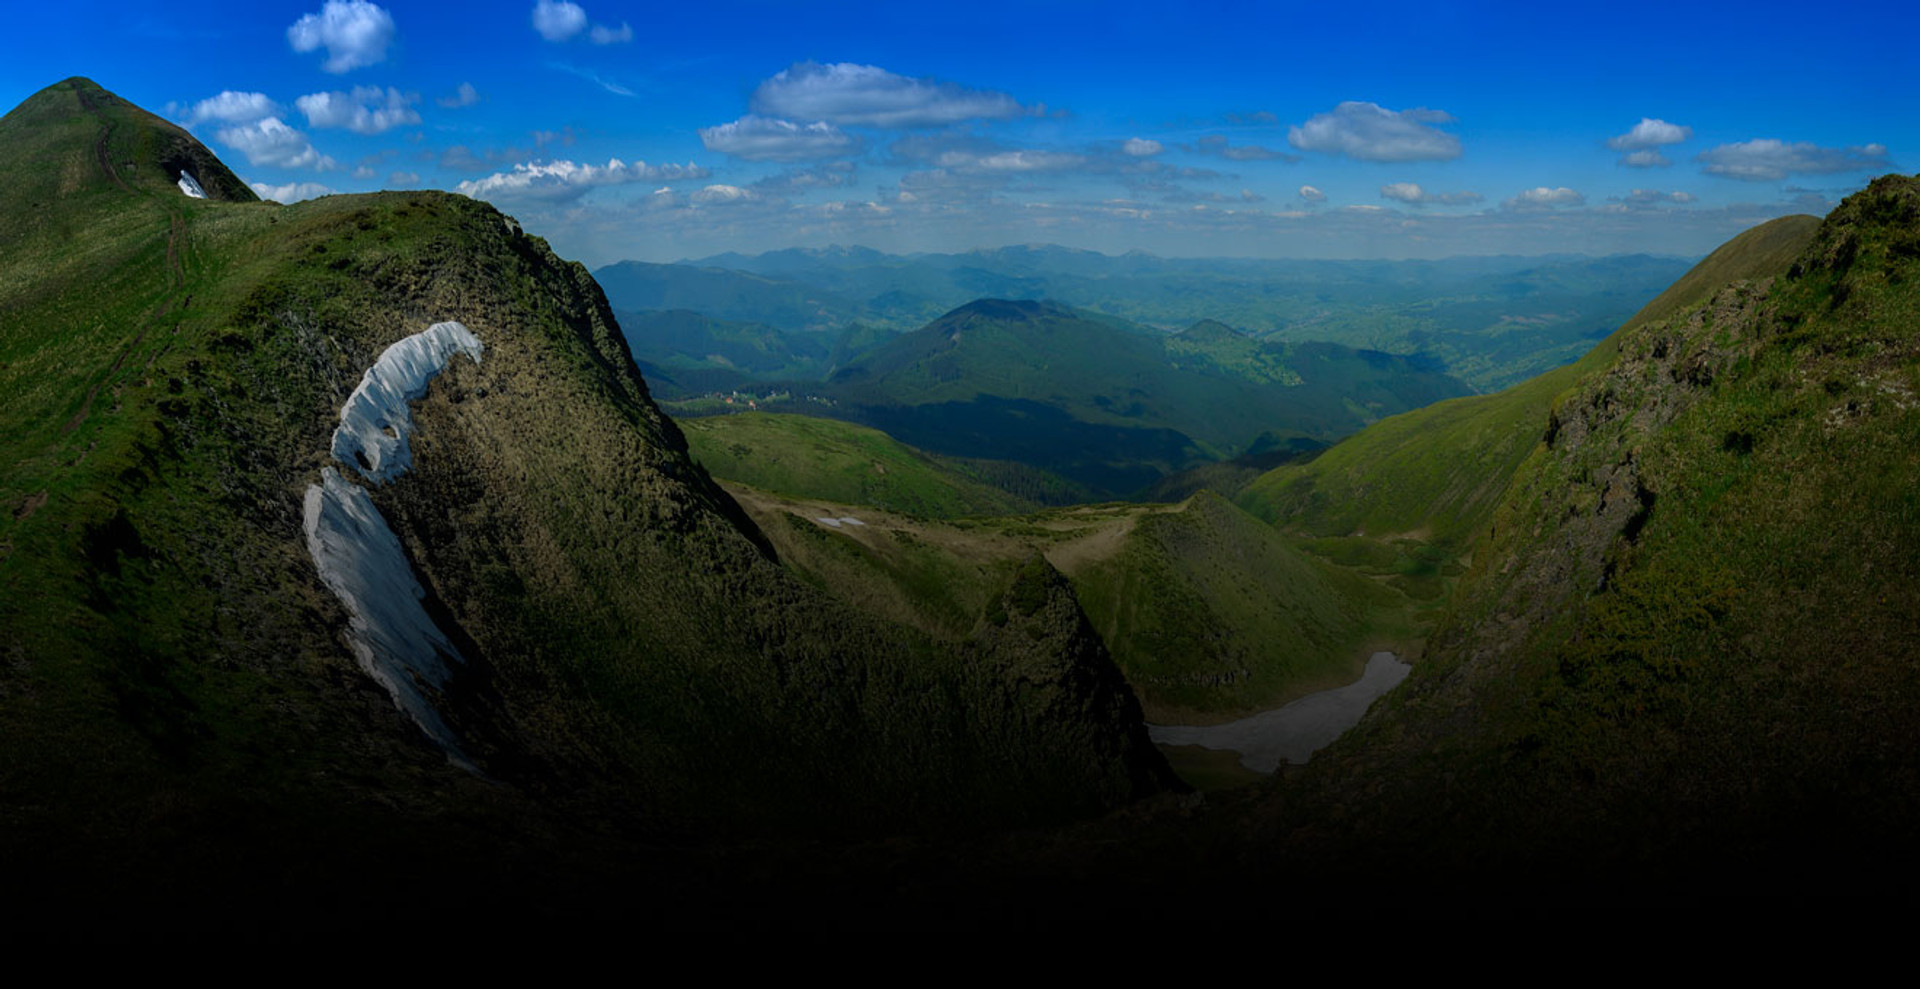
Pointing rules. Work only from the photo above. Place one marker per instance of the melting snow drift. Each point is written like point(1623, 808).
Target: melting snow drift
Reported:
point(361, 561)
point(375, 422)
point(190, 187)
point(357, 554)
point(838, 522)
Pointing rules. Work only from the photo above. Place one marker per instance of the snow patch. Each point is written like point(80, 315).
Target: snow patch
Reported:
point(190, 187)
point(375, 422)
point(392, 635)
point(838, 522)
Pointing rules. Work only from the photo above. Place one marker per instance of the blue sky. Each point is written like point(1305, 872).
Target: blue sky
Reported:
point(663, 131)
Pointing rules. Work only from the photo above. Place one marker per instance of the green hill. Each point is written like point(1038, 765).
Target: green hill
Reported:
point(678, 340)
point(838, 461)
point(1108, 405)
point(186, 692)
point(1210, 614)
point(1435, 474)
point(1688, 649)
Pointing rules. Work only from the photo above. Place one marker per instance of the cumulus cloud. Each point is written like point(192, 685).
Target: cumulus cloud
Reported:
point(269, 141)
point(869, 96)
point(466, 95)
point(404, 178)
point(355, 33)
point(1643, 141)
point(1215, 144)
point(757, 138)
point(1649, 133)
point(292, 192)
point(556, 181)
point(1141, 147)
point(1542, 197)
point(1312, 195)
point(365, 110)
point(603, 35)
point(1370, 132)
point(1768, 160)
point(233, 108)
point(558, 20)
point(1411, 194)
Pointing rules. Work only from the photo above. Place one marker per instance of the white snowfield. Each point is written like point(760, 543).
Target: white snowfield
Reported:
point(190, 187)
point(357, 554)
point(375, 422)
point(361, 561)
point(1294, 732)
point(838, 522)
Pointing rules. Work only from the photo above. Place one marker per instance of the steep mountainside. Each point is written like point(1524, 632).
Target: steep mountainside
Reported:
point(1437, 473)
point(187, 674)
point(1689, 647)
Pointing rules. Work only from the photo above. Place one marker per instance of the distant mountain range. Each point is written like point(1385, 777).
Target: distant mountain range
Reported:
point(1491, 321)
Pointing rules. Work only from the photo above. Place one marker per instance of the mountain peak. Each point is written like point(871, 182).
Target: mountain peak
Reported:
point(76, 134)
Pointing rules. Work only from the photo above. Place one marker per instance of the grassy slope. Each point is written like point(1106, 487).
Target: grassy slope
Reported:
point(170, 652)
point(838, 461)
point(1692, 639)
point(1437, 473)
point(1210, 614)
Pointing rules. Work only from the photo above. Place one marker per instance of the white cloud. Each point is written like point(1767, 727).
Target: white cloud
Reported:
point(1141, 148)
point(355, 33)
point(292, 192)
point(1370, 132)
point(404, 178)
point(1644, 140)
point(1411, 194)
point(1649, 133)
point(1010, 161)
point(832, 175)
point(366, 110)
point(1312, 195)
point(1216, 144)
point(1653, 197)
point(1542, 197)
point(869, 96)
point(271, 142)
point(364, 172)
point(603, 35)
point(563, 180)
point(722, 195)
point(466, 95)
point(558, 21)
point(757, 138)
point(1768, 160)
point(233, 108)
